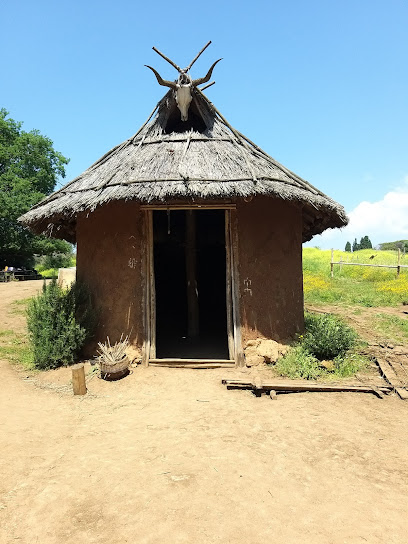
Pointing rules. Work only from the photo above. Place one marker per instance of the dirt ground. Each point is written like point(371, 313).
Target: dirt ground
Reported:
point(169, 455)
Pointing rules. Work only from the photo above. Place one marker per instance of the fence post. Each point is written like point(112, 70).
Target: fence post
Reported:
point(399, 262)
point(331, 263)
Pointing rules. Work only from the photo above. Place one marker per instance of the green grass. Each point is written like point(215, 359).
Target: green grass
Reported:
point(299, 363)
point(19, 307)
point(393, 328)
point(16, 349)
point(354, 285)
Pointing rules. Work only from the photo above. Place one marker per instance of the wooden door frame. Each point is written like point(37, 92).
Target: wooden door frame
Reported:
point(232, 287)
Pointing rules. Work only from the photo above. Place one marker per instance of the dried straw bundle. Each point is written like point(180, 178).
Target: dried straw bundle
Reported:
point(113, 359)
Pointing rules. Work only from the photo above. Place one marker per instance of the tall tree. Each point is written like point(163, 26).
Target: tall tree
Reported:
point(348, 247)
point(356, 246)
point(29, 169)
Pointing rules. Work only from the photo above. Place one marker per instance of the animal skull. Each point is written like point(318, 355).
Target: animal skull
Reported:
point(183, 87)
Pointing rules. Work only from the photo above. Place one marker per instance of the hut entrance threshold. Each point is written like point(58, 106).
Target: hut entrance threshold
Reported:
point(190, 312)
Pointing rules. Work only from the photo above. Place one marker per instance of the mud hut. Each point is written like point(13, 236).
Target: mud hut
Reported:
point(189, 235)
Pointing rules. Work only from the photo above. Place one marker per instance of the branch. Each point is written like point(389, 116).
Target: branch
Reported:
point(168, 60)
point(193, 61)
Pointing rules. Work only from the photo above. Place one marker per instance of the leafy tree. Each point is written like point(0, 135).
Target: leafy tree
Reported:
point(356, 246)
point(365, 243)
point(29, 168)
point(348, 247)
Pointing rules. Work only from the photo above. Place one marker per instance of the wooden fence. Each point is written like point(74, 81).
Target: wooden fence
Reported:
point(397, 266)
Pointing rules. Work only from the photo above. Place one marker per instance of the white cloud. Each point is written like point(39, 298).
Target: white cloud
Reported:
point(383, 221)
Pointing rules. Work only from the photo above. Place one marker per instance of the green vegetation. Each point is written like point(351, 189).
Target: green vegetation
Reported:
point(392, 328)
point(29, 169)
point(354, 285)
point(59, 322)
point(394, 246)
point(16, 349)
point(324, 351)
point(327, 336)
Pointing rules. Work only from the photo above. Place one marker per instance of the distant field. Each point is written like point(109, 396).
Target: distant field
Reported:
point(354, 285)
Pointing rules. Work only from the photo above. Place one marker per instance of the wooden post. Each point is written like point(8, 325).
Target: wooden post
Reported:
point(231, 345)
point(78, 379)
point(191, 275)
point(331, 263)
point(399, 262)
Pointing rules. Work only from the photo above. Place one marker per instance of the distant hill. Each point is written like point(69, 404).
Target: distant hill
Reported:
point(401, 244)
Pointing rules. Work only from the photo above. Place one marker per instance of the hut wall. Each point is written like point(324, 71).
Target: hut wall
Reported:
point(109, 262)
point(270, 269)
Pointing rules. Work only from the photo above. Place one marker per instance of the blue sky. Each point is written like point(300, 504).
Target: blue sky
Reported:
point(322, 86)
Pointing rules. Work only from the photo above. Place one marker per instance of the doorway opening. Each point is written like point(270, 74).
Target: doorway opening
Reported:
point(190, 267)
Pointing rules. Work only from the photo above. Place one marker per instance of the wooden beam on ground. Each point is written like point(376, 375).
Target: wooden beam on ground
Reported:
point(290, 387)
point(392, 378)
point(196, 363)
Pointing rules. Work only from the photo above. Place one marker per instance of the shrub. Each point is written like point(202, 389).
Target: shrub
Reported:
point(327, 336)
point(58, 322)
point(347, 365)
point(298, 363)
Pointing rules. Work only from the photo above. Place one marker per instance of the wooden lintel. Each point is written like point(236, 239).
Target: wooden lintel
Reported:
point(164, 207)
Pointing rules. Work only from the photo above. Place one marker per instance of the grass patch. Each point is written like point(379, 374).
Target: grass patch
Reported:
point(16, 349)
point(19, 307)
point(393, 328)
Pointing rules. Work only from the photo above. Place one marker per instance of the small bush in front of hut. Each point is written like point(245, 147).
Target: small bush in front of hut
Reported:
point(325, 350)
point(58, 322)
point(299, 363)
point(327, 336)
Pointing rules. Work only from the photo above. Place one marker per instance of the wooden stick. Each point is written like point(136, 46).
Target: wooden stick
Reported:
point(168, 60)
point(78, 379)
point(196, 57)
point(206, 86)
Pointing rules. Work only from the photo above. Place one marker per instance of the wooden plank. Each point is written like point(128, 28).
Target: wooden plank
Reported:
point(228, 294)
point(239, 354)
point(152, 287)
point(165, 207)
point(388, 372)
point(177, 360)
point(146, 290)
point(196, 366)
point(298, 387)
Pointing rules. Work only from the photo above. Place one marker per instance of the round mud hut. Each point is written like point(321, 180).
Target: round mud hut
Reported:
point(189, 236)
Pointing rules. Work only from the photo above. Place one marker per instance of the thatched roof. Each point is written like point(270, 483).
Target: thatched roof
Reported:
point(167, 160)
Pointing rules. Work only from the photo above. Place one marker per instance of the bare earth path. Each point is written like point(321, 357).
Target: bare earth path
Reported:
point(170, 456)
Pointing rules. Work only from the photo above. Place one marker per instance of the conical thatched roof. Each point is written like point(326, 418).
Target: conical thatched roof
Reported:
point(167, 159)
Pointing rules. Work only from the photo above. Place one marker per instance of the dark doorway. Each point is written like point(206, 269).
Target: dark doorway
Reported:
point(190, 284)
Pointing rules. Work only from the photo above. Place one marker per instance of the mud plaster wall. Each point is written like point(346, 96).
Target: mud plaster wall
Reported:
point(109, 262)
point(270, 269)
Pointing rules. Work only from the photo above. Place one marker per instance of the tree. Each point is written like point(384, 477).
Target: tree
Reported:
point(348, 247)
point(356, 246)
point(29, 169)
point(365, 243)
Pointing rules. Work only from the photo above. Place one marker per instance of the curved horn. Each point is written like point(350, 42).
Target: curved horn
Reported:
point(162, 81)
point(196, 82)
